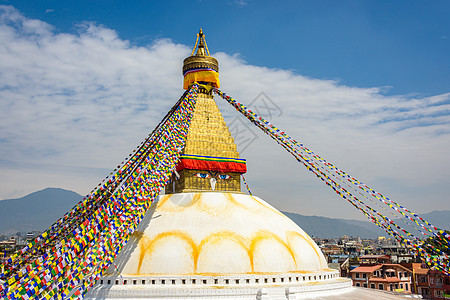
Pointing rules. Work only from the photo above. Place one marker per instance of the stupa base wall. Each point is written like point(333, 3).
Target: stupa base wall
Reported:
point(261, 286)
point(222, 292)
point(336, 289)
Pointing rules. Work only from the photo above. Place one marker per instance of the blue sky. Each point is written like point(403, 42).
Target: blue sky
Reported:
point(365, 84)
point(403, 45)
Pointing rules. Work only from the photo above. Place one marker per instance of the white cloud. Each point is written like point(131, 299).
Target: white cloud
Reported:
point(73, 105)
point(240, 3)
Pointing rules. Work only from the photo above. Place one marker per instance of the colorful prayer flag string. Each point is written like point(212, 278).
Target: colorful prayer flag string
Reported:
point(348, 187)
point(65, 261)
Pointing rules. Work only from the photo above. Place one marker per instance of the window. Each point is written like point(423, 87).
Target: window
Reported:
point(266, 280)
point(356, 275)
point(380, 286)
point(101, 281)
point(173, 281)
point(109, 281)
point(124, 282)
point(143, 282)
point(406, 287)
point(163, 281)
point(257, 280)
point(204, 281)
point(216, 281)
point(117, 281)
point(358, 284)
point(247, 280)
point(372, 285)
point(431, 280)
point(153, 281)
point(365, 285)
point(274, 280)
point(401, 285)
point(183, 281)
point(364, 275)
point(227, 281)
point(134, 281)
point(282, 279)
point(193, 281)
point(237, 281)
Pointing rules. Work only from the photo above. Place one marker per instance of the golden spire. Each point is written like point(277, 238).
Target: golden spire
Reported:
point(209, 160)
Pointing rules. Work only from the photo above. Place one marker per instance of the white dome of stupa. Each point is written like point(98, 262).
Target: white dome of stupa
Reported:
point(216, 244)
point(217, 233)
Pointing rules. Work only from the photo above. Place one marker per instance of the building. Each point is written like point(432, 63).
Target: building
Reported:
point(387, 277)
point(330, 249)
point(352, 248)
point(374, 259)
point(7, 247)
point(431, 284)
point(439, 285)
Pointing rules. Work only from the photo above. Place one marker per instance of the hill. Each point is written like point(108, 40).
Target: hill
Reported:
point(36, 211)
point(331, 228)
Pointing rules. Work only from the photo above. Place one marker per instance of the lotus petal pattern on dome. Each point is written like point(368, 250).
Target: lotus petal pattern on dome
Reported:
point(217, 233)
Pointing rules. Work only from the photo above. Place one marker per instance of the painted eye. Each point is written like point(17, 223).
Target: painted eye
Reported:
point(202, 175)
point(223, 176)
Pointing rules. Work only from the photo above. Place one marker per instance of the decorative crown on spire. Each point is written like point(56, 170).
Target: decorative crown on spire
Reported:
point(201, 67)
point(201, 46)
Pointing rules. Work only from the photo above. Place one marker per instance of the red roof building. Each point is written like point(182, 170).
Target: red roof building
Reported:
point(431, 284)
point(387, 277)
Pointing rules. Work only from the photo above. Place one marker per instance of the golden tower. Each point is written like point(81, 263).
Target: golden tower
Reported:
point(210, 160)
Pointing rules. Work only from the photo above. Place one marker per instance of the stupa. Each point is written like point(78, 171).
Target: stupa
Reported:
point(205, 238)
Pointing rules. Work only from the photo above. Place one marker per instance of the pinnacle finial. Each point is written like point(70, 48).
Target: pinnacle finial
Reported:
point(202, 49)
point(201, 44)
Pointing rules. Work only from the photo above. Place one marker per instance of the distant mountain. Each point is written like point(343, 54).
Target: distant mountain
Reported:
point(331, 228)
point(36, 211)
point(39, 210)
point(328, 227)
point(439, 218)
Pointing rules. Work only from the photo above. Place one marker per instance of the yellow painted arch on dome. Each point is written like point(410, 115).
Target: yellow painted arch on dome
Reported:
point(307, 239)
point(267, 235)
point(147, 245)
point(249, 245)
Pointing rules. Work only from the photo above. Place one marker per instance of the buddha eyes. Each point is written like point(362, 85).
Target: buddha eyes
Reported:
point(202, 175)
point(218, 176)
